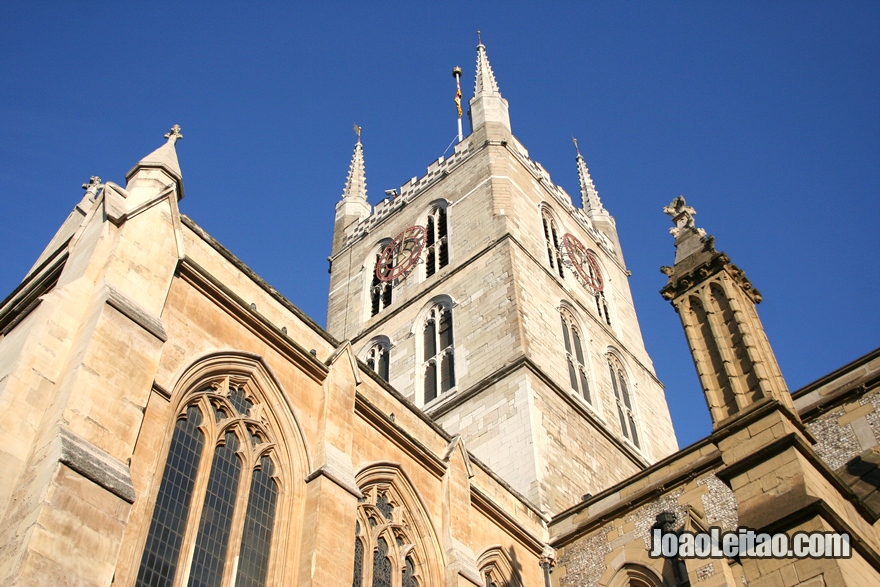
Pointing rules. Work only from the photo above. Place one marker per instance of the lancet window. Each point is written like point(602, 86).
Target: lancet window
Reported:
point(438, 360)
point(216, 507)
point(574, 356)
point(378, 357)
point(623, 399)
point(385, 550)
point(437, 244)
point(551, 239)
point(380, 291)
point(602, 307)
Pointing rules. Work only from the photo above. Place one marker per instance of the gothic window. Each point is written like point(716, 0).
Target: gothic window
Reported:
point(380, 291)
point(551, 239)
point(497, 569)
point(217, 499)
point(385, 551)
point(623, 399)
point(378, 356)
point(574, 355)
point(602, 307)
point(437, 245)
point(438, 361)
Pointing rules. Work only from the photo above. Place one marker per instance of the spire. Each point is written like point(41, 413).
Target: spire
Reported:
point(356, 182)
point(590, 201)
point(485, 84)
point(487, 105)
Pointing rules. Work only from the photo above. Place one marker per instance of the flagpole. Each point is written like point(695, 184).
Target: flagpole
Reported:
point(456, 73)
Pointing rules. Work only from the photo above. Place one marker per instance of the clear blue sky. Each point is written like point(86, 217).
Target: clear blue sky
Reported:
point(766, 116)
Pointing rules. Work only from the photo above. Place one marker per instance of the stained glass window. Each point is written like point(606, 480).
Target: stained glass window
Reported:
point(253, 560)
point(162, 551)
point(231, 440)
point(384, 552)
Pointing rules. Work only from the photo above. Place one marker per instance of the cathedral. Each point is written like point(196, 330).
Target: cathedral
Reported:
point(480, 410)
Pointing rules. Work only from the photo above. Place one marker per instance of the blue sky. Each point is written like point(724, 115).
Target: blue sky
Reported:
point(765, 116)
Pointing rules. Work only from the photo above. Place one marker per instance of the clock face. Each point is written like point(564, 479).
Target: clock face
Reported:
point(401, 254)
point(584, 262)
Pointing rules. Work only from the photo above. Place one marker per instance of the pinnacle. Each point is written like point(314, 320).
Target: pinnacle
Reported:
point(484, 84)
point(590, 201)
point(165, 156)
point(356, 182)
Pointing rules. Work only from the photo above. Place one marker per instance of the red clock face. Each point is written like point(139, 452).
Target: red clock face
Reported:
point(401, 254)
point(584, 262)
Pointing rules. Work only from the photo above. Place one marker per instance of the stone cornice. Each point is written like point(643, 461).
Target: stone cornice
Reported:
point(498, 515)
point(681, 280)
point(194, 274)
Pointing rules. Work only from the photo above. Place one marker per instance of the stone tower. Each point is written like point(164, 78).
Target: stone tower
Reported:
point(716, 303)
point(502, 310)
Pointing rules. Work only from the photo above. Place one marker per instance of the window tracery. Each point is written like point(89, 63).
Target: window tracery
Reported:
point(438, 360)
point(551, 240)
point(378, 357)
point(386, 552)
point(574, 356)
point(623, 399)
point(437, 246)
point(219, 436)
point(497, 570)
point(380, 291)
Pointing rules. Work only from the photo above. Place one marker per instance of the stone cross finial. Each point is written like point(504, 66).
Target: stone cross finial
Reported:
point(174, 134)
point(682, 216)
point(93, 184)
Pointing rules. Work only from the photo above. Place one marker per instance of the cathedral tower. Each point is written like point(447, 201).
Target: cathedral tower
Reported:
point(502, 310)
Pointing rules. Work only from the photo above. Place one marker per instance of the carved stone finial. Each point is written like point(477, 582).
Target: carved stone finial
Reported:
point(576, 148)
point(682, 216)
point(94, 183)
point(174, 134)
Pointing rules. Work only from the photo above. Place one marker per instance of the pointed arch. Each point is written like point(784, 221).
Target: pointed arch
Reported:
point(435, 350)
point(231, 487)
point(497, 568)
point(552, 239)
point(624, 396)
point(577, 353)
point(393, 535)
point(377, 355)
point(636, 575)
point(380, 294)
point(437, 244)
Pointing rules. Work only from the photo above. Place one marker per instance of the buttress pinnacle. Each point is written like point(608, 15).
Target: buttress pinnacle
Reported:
point(590, 201)
point(356, 182)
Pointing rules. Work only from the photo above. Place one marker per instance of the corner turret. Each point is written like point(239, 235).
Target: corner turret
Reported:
point(487, 107)
point(716, 303)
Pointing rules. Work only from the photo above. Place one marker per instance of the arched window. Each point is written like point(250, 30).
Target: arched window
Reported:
point(602, 307)
point(551, 239)
point(437, 245)
point(378, 356)
point(438, 361)
point(497, 568)
point(574, 355)
point(623, 399)
point(385, 549)
point(380, 291)
point(218, 495)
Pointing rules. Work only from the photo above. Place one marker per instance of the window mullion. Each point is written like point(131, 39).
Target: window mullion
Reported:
point(212, 434)
point(239, 511)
